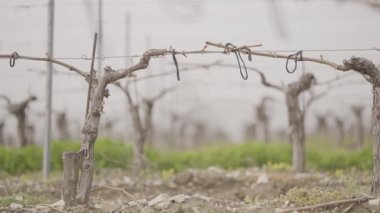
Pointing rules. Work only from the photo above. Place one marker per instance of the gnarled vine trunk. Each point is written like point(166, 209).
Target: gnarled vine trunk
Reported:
point(30, 133)
point(265, 126)
point(200, 132)
point(376, 141)
point(90, 133)
point(91, 126)
point(21, 128)
point(2, 133)
point(372, 75)
point(296, 131)
point(86, 154)
point(142, 129)
point(18, 110)
point(62, 125)
point(149, 130)
point(250, 131)
point(296, 119)
point(263, 117)
point(359, 126)
point(340, 131)
point(139, 139)
point(322, 128)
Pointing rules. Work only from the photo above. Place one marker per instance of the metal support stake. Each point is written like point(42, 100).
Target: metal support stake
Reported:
point(91, 74)
point(49, 86)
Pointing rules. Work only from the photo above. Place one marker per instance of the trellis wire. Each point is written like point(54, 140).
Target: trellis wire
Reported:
point(84, 57)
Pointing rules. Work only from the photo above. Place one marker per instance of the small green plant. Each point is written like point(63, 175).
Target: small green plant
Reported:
point(339, 173)
point(281, 166)
point(166, 174)
point(309, 196)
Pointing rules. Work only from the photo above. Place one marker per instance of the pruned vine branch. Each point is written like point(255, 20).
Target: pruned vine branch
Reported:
point(144, 62)
point(276, 55)
point(185, 69)
point(114, 75)
point(54, 61)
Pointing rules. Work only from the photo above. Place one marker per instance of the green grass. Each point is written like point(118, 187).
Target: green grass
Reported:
point(108, 154)
point(226, 156)
point(24, 199)
point(321, 156)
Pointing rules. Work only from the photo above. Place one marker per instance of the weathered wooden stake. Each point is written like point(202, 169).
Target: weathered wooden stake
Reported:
point(71, 162)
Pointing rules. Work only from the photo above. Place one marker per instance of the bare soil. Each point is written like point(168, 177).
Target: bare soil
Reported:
point(206, 190)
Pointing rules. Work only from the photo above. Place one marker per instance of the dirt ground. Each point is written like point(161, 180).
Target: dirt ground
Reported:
point(206, 190)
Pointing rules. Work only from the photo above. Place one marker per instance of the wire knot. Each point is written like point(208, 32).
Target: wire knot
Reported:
point(12, 59)
point(297, 57)
point(239, 58)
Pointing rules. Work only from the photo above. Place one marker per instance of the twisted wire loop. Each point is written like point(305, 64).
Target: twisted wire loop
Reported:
point(239, 58)
point(12, 59)
point(297, 57)
point(176, 64)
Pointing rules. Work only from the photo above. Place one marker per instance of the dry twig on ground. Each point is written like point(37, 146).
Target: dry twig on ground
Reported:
point(327, 205)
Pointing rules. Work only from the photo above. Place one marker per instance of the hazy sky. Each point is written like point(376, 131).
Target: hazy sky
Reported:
point(226, 100)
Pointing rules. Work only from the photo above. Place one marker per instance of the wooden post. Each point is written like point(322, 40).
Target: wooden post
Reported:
point(71, 164)
point(100, 36)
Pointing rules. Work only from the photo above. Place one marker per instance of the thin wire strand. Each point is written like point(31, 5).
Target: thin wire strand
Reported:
point(84, 57)
point(324, 50)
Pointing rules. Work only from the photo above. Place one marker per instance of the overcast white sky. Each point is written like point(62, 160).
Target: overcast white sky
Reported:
point(186, 25)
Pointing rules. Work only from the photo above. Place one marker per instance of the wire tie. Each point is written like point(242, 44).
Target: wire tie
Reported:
point(238, 58)
point(12, 59)
point(297, 57)
point(176, 64)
